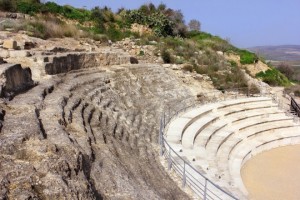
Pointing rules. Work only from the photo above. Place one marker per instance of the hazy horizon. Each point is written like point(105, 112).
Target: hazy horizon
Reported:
point(246, 24)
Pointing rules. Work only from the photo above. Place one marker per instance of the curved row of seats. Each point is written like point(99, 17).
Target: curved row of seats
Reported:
point(218, 138)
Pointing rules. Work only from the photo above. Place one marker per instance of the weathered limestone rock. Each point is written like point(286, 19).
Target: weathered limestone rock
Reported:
point(9, 44)
point(90, 134)
point(14, 79)
point(140, 29)
point(19, 54)
point(41, 59)
point(2, 61)
point(74, 61)
point(220, 53)
point(4, 53)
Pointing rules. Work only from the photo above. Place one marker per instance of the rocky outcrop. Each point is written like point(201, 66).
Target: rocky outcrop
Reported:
point(74, 61)
point(141, 29)
point(251, 69)
point(14, 79)
point(90, 134)
point(255, 84)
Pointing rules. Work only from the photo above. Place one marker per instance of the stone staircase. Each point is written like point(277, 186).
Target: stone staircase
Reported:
point(218, 138)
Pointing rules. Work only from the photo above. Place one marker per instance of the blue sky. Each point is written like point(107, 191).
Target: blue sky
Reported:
point(246, 23)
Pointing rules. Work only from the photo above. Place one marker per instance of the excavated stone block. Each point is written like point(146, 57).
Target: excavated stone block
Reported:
point(9, 44)
point(74, 61)
point(14, 79)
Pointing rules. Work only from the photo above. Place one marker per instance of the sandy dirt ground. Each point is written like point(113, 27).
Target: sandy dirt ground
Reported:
point(274, 174)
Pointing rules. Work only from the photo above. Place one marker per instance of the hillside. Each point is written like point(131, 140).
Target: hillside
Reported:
point(278, 53)
point(83, 91)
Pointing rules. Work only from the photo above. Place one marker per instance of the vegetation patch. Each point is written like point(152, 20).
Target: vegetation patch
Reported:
point(274, 77)
point(176, 42)
point(166, 56)
point(247, 57)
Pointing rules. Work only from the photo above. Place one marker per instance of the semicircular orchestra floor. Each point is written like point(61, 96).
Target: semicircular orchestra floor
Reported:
point(273, 174)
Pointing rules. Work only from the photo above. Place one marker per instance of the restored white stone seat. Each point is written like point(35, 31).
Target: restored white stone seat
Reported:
point(217, 138)
point(195, 129)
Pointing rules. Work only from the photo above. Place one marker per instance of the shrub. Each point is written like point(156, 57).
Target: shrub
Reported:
point(287, 70)
point(52, 7)
point(100, 37)
point(8, 5)
point(207, 40)
point(201, 69)
point(188, 67)
point(115, 34)
point(77, 14)
point(273, 77)
point(166, 56)
point(28, 7)
point(233, 63)
point(98, 17)
point(293, 89)
point(142, 53)
point(247, 57)
point(157, 21)
point(297, 93)
point(37, 29)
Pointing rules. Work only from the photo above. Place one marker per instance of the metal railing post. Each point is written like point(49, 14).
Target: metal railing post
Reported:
point(169, 160)
point(205, 190)
point(183, 176)
point(162, 146)
point(160, 132)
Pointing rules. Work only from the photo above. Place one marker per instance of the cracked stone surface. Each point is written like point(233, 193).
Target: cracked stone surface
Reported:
point(90, 134)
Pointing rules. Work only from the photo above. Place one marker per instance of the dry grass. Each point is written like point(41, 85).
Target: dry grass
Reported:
point(51, 27)
point(44, 27)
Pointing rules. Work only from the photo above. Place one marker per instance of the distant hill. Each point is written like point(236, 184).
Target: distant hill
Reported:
point(278, 53)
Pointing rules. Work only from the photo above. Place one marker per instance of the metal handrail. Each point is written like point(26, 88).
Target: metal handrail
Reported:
point(295, 106)
point(200, 188)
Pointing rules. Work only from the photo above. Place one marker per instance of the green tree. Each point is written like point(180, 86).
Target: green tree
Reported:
point(98, 17)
